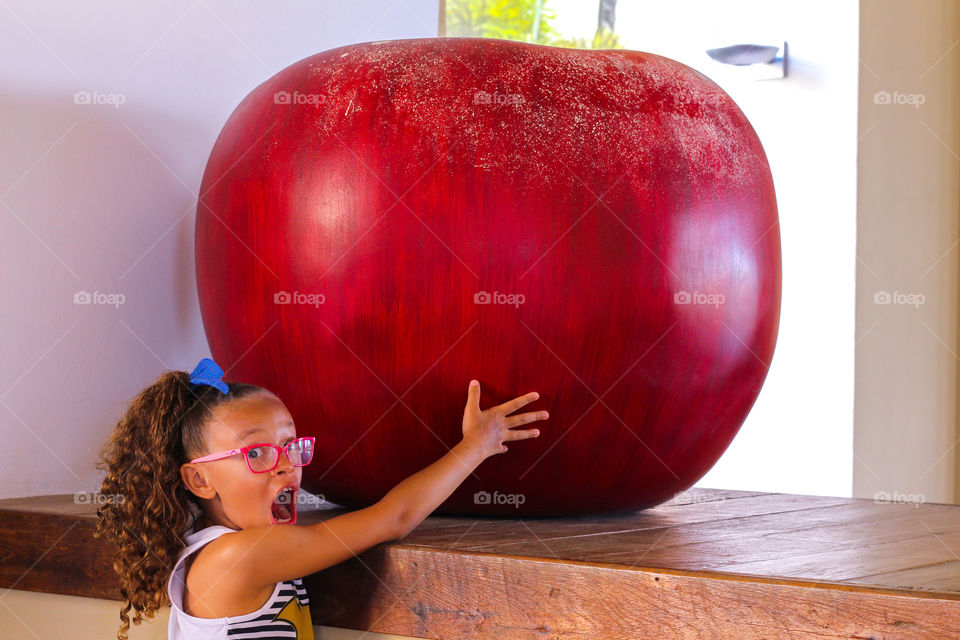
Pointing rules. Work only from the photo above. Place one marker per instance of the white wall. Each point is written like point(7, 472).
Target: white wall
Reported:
point(102, 198)
point(798, 438)
point(906, 395)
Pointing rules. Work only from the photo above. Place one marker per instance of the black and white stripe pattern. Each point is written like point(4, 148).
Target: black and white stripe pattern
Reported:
point(267, 624)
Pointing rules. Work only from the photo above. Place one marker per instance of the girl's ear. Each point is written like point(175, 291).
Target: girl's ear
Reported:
point(195, 479)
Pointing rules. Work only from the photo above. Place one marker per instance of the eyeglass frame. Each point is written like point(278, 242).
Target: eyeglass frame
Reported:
point(232, 452)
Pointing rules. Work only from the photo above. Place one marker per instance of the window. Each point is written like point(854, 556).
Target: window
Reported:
point(538, 21)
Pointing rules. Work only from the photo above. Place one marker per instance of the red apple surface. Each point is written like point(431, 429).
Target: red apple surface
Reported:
point(382, 222)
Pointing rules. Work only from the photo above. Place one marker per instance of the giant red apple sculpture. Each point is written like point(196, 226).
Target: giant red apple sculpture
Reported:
point(382, 222)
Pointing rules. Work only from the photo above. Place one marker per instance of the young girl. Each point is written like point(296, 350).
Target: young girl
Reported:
point(209, 473)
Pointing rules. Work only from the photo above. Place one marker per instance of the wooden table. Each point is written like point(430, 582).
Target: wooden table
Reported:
point(708, 564)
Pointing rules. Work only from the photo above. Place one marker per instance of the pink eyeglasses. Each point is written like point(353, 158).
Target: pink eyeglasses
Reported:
point(264, 457)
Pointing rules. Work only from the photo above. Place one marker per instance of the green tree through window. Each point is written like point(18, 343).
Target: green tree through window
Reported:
point(526, 21)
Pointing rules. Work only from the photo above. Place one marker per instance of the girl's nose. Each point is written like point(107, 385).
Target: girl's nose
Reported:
point(284, 464)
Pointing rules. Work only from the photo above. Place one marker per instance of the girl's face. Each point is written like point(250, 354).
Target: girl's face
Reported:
point(231, 494)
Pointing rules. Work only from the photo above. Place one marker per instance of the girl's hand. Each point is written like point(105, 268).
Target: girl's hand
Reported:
point(491, 428)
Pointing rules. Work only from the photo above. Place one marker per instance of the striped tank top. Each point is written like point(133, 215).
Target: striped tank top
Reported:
point(285, 614)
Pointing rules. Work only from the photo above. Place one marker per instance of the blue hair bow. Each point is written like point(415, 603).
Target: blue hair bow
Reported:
point(209, 373)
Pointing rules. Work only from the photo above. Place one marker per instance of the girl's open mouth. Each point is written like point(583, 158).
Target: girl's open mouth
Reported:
point(283, 510)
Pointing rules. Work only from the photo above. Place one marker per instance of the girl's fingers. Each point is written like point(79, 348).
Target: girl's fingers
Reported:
point(522, 434)
point(525, 418)
point(473, 395)
point(516, 403)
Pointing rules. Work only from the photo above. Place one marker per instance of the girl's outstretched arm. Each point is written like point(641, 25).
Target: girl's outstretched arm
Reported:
point(260, 556)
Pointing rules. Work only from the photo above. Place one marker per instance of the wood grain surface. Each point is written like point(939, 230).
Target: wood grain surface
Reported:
point(707, 564)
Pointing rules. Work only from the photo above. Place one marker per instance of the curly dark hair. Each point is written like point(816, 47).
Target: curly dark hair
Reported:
point(163, 427)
